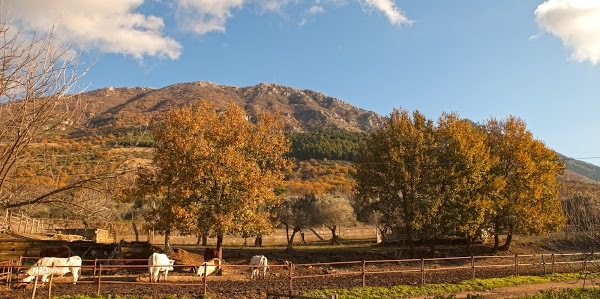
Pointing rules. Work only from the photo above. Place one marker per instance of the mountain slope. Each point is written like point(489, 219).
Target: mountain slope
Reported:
point(121, 109)
point(302, 110)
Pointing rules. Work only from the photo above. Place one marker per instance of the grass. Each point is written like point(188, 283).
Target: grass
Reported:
point(474, 285)
point(590, 293)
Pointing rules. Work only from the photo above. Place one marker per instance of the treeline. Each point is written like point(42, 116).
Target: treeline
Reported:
point(331, 144)
point(431, 179)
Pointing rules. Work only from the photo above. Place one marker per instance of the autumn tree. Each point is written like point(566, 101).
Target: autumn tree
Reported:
point(38, 78)
point(463, 184)
point(220, 167)
point(528, 202)
point(393, 169)
point(332, 212)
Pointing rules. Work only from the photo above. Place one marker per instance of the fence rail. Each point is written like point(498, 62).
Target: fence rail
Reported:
point(101, 271)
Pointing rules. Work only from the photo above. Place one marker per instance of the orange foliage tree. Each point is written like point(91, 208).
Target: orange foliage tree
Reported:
point(218, 169)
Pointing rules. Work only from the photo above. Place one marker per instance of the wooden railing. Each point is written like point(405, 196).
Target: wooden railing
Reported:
point(21, 223)
point(99, 270)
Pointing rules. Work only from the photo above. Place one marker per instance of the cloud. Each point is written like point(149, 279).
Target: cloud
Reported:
point(389, 9)
point(311, 12)
point(204, 16)
point(576, 23)
point(108, 26)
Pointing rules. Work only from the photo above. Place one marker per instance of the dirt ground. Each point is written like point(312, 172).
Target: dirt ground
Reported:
point(236, 283)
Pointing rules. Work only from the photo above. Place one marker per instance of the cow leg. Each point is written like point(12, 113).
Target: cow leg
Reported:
point(75, 272)
point(166, 272)
point(45, 278)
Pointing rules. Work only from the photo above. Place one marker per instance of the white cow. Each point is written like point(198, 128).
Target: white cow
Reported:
point(259, 267)
point(157, 263)
point(54, 265)
point(210, 266)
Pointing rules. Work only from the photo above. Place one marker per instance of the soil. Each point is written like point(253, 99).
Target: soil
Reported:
point(235, 281)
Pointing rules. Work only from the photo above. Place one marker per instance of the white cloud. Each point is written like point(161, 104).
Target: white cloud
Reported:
point(109, 26)
point(273, 6)
point(315, 10)
point(576, 23)
point(389, 9)
point(203, 16)
point(310, 13)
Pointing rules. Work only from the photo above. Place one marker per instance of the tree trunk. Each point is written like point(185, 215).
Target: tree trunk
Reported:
point(135, 231)
point(220, 246)
point(468, 242)
point(496, 237)
point(334, 238)
point(291, 239)
point(258, 241)
point(509, 238)
point(167, 248)
point(382, 230)
point(198, 238)
point(204, 239)
point(432, 245)
point(411, 242)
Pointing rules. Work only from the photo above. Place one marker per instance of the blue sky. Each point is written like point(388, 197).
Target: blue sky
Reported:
point(539, 60)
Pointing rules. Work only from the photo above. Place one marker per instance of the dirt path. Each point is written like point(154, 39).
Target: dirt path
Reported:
point(528, 289)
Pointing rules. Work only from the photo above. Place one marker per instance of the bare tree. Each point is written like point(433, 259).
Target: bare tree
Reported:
point(37, 99)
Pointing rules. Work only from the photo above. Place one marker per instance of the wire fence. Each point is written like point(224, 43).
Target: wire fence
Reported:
point(104, 272)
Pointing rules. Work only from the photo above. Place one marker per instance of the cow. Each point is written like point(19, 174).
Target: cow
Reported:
point(157, 263)
point(60, 266)
point(210, 267)
point(259, 265)
point(210, 253)
point(56, 251)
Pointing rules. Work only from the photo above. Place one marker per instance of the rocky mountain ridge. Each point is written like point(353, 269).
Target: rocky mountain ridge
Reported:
point(301, 110)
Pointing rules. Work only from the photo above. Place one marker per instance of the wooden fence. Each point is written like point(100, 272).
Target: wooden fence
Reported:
point(101, 272)
point(21, 223)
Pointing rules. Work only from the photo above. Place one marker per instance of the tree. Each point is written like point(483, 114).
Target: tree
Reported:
point(528, 202)
point(463, 181)
point(38, 100)
point(393, 169)
point(332, 212)
point(296, 213)
point(220, 167)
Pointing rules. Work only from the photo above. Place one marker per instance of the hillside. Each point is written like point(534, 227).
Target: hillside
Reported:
point(114, 110)
point(302, 110)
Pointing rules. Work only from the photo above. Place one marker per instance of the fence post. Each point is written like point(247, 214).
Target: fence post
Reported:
point(516, 265)
point(290, 270)
point(553, 263)
point(10, 271)
point(204, 280)
point(544, 264)
point(50, 283)
point(472, 267)
point(422, 271)
point(95, 265)
point(99, 279)
point(364, 274)
point(34, 287)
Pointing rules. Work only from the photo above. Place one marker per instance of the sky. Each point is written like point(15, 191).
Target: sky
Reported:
point(537, 59)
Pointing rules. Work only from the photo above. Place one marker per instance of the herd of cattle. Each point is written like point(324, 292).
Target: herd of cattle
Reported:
point(159, 266)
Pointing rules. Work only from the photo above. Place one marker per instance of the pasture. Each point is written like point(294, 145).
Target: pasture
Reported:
point(318, 266)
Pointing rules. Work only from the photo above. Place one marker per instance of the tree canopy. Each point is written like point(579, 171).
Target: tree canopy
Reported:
point(428, 180)
point(217, 169)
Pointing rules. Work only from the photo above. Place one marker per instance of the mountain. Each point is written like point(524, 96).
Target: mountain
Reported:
point(584, 169)
point(112, 110)
point(302, 110)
